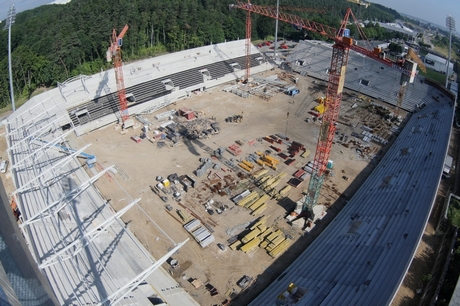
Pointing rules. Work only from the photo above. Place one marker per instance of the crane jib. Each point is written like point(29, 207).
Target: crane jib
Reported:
point(401, 69)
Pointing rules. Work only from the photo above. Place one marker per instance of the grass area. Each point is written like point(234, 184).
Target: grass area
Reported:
point(19, 101)
point(436, 76)
point(444, 50)
point(451, 279)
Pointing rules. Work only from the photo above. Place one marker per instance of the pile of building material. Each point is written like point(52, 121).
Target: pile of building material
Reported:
point(167, 114)
point(263, 236)
point(234, 150)
point(295, 148)
point(268, 182)
point(246, 166)
point(200, 128)
point(267, 160)
point(205, 166)
point(247, 200)
point(199, 232)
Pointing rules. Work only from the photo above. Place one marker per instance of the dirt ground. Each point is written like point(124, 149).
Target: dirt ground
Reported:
point(138, 164)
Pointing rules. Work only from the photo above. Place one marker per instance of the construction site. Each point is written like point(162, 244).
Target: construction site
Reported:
point(214, 176)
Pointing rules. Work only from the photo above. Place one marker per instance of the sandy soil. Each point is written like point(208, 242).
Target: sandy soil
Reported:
point(138, 164)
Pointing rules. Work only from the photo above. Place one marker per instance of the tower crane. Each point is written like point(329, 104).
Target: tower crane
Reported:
point(411, 55)
point(343, 43)
point(248, 7)
point(114, 55)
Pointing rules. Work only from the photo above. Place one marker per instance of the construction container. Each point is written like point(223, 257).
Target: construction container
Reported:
point(199, 231)
point(251, 245)
point(249, 199)
point(251, 235)
point(202, 236)
point(204, 243)
point(192, 225)
point(236, 245)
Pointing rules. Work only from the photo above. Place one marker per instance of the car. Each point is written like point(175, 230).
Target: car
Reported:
point(210, 211)
point(221, 246)
point(445, 175)
point(4, 166)
point(169, 207)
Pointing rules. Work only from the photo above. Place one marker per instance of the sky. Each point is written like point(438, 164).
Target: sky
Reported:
point(19, 5)
point(430, 10)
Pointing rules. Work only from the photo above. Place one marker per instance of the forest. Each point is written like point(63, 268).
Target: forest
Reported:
point(52, 43)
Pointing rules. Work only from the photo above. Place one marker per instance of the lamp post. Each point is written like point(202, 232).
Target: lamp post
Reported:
point(276, 29)
point(9, 22)
point(450, 24)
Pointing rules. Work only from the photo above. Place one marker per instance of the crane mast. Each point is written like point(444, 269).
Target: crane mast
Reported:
point(114, 55)
point(248, 44)
point(340, 51)
point(326, 134)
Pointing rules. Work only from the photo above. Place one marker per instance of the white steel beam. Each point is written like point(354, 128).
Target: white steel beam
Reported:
point(45, 212)
point(33, 119)
point(60, 163)
point(49, 144)
point(119, 295)
point(29, 110)
point(36, 132)
point(83, 241)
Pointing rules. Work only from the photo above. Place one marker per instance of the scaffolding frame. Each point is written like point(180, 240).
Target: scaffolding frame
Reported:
point(42, 177)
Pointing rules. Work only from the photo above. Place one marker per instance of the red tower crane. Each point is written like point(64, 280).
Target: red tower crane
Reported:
point(340, 50)
point(248, 43)
point(114, 55)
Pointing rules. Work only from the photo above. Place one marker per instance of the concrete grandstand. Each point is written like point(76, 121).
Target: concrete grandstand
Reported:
point(363, 255)
point(80, 243)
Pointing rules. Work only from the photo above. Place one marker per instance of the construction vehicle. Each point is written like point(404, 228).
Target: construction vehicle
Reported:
point(14, 208)
point(114, 55)
point(292, 91)
point(90, 159)
point(321, 108)
point(343, 43)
